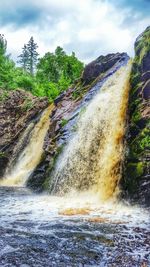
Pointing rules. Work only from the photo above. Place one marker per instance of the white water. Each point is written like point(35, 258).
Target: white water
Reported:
point(40, 229)
point(93, 158)
point(31, 155)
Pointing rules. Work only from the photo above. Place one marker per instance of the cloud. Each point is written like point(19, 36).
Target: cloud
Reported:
point(88, 27)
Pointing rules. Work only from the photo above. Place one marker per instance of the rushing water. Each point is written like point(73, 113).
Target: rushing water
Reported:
point(30, 157)
point(93, 157)
point(79, 228)
point(40, 231)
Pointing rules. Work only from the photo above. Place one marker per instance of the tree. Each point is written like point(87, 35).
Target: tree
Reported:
point(47, 68)
point(7, 66)
point(3, 45)
point(58, 68)
point(32, 56)
point(24, 58)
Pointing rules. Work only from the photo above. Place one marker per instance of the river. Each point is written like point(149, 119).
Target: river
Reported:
point(41, 230)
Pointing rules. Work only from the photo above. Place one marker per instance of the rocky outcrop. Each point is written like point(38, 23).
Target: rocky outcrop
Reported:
point(17, 110)
point(136, 180)
point(100, 66)
point(68, 107)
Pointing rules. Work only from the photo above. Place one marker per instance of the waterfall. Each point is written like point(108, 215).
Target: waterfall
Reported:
point(30, 156)
point(93, 157)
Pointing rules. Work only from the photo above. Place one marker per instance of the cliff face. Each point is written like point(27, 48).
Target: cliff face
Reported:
point(68, 107)
point(136, 182)
point(17, 110)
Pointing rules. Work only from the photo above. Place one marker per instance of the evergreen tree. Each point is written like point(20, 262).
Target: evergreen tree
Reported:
point(32, 55)
point(3, 45)
point(24, 58)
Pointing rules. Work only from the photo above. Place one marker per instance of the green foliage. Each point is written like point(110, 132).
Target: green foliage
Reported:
point(136, 116)
point(143, 46)
point(24, 80)
point(64, 122)
point(32, 55)
point(23, 58)
point(135, 170)
point(55, 72)
point(137, 164)
point(6, 66)
point(48, 89)
point(29, 57)
point(3, 96)
point(2, 154)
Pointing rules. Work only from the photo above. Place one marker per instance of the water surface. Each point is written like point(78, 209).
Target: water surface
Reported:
point(75, 231)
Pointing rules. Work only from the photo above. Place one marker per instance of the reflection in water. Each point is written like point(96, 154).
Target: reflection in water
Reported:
point(71, 231)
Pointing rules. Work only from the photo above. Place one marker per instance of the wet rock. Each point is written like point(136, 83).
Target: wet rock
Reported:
point(145, 76)
point(145, 66)
point(135, 183)
point(99, 66)
point(18, 109)
point(146, 90)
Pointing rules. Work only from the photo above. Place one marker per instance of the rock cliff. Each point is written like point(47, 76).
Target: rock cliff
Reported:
point(17, 110)
point(136, 181)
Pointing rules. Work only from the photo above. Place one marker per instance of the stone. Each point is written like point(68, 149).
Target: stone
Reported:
point(99, 66)
point(135, 183)
point(146, 90)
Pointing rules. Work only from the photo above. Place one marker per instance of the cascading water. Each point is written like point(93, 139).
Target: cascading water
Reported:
point(30, 157)
point(93, 157)
point(76, 229)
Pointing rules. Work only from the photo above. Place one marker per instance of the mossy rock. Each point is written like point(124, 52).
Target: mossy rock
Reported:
point(135, 170)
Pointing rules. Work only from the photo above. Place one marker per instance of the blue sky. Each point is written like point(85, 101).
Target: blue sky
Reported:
point(88, 27)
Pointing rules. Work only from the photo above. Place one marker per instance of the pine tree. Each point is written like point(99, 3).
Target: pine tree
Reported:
point(32, 56)
point(24, 58)
point(3, 45)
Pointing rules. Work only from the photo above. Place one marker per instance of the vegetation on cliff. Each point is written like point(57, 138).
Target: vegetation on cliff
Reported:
point(46, 76)
point(138, 140)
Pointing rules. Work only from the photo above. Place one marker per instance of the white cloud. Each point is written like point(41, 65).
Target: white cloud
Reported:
point(88, 27)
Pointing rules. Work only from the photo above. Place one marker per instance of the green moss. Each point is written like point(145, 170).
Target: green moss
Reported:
point(136, 116)
point(27, 105)
point(135, 78)
point(63, 122)
point(2, 154)
point(140, 143)
point(135, 170)
point(142, 46)
point(139, 129)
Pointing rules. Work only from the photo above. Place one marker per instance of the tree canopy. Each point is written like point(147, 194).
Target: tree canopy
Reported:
point(45, 76)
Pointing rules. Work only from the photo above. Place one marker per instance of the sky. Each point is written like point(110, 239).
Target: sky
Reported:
point(90, 28)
